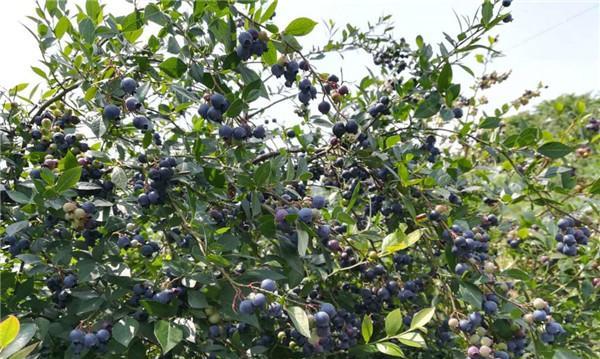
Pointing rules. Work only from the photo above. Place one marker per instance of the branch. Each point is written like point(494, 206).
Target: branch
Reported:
point(55, 98)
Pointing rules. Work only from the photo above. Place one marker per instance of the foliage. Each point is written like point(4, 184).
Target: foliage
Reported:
point(147, 213)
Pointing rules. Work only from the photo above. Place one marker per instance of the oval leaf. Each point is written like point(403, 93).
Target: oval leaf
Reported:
point(390, 349)
point(367, 328)
point(9, 328)
point(554, 150)
point(300, 320)
point(422, 318)
point(300, 26)
point(393, 322)
point(168, 335)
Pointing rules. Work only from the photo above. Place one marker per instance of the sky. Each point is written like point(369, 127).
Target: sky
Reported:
point(553, 41)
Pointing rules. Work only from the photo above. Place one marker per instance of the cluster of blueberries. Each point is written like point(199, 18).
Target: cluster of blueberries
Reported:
point(258, 301)
point(482, 346)
point(60, 288)
point(289, 70)
point(251, 42)
point(91, 340)
point(242, 132)
point(55, 140)
point(340, 128)
point(570, 236)
point(467, 244)
point(145, 291)
point(307, 91)
point(15, 246)
point(147, 248)
point(214, 110)
point(541, 314)
point(335, 330)
point(393, 56)
point(430, 147)
point(380, 108)
point(160, 179)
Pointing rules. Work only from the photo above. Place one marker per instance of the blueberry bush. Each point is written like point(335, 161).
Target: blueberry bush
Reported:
point(154, 206)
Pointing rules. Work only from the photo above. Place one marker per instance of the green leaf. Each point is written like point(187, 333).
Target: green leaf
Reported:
point(565, 354)
point(26, 332)
point(300, 320)
point(554, 150)
point(302, 242)
point(300, 26)
point(119, 177)
point(23, 353)
point(393, 322)
point(429, 107)
point(62, 26)
point(445, 78)
point(18, 197)
point(173, 67)
point(125, 330)
point(422, 317)
point(92, 7)
point(16, 227)
point(367, 328)
point(595, 187)
point(490, 122)
point(196, 299)
point(515, 273)
point(470, 294)
point(487, 11)
point(398, 241)
point(9, 328)
point(68, 179)
point(168, 335)
point(412, 339)
point(87, 30)
point(269, 12)
point(390, 349)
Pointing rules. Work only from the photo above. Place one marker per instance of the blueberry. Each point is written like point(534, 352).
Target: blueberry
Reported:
point(434, 216)
point(554, 328)
point(147, 250)
point(90, 340)
point(132, 104)
point(214, 331)
point(324, 107)
point(465, 325)
point(70, 281)
point(239, 133)
point(277, 70)
point(305, 215)
point(321, 319)
point(304, 85)
point(539, 315)
point(141, 123)
point(245, 39)
point(269, 285)
point(76, 336)
point(458, 112)
point(246, 307)
point(203, 110)
point(259, 300)
point(333, 78)
point(318, 202)
point(506, 3)
point(128, 85)
point(153, 197)
point(89, 207)
point(259, 132)
point(225, 132)
point(36, 134)
point(490, 307)
point(324, 231)
point(163, 297)
point(351, 127)
point(103, 335)
point(475, 318)
point(35, 174)
point(219, 102)
point(143, 200)
point(339, 129)
point(329, 309)
point(111, 112)
point(214, 115)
